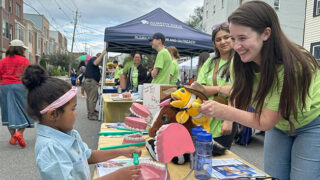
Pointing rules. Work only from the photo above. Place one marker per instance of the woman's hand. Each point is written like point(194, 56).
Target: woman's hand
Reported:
point(212, 109)
point(128, 152)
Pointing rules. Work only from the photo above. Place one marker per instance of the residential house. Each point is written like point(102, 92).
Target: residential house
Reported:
point(312, 27)
point(291, 15)
point(41, 23)
point(11, 17)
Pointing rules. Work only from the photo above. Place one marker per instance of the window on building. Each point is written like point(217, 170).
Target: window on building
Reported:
point(18, 10)
point(3, 3)
point(222, 4)
point(6, 30)
point(30, 57)
point(214, 9)
point(316, 9)
point(19, 32)
point(315, 50)
point(276, 4)
point(10, 6)
point(30, 37)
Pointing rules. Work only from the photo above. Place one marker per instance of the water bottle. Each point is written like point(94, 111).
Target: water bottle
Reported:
point(203, 163)
point(194, 132)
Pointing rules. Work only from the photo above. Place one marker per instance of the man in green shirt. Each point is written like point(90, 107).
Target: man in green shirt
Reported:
point(162, 65)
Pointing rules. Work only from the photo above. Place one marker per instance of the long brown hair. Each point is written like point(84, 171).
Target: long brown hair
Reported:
point(174, 51)
point(298, 64)
point(202, 58)
point(15, 50)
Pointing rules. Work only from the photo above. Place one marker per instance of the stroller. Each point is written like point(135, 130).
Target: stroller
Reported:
point(73, 76)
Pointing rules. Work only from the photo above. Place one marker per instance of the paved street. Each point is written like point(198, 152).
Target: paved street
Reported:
point(17, 163)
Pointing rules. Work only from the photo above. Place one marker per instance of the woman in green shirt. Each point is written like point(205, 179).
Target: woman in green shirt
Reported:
point(281, 81)
point(214, 75)
point(137, 73)
point(174, 73)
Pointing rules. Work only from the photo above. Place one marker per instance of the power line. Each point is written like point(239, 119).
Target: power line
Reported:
point(74, 4)
point(59, 7)
point(67, 5)
point(31, 7)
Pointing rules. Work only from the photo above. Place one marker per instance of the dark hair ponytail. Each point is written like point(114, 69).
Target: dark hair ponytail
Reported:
point(42, 90)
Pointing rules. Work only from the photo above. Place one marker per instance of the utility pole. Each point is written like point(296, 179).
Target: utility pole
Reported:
point(74, 30)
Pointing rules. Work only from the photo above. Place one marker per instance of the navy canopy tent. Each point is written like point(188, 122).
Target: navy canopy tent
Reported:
point(134, 35)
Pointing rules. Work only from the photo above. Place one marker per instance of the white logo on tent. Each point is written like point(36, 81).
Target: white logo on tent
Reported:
point(145, 22)
point(161, 24)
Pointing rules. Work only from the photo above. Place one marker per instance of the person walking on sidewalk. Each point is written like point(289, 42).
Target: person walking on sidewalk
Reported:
point(162, 65)
point(93, 76)
point(12, 93)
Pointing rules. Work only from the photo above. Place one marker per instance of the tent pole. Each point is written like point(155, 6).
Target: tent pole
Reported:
point(191, 74)
point(102, 83)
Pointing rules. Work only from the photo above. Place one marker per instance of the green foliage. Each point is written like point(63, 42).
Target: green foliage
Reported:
point(148, 60)
point(196, 18)
point(43, 63)
point(127, 59)
point(62, 60)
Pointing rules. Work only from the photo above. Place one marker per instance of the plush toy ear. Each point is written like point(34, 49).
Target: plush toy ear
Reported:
point(182, 117)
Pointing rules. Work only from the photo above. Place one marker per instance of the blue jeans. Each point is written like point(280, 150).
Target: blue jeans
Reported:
point(295, 157)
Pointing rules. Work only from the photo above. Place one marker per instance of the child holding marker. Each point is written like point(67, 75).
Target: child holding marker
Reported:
point(59, 149)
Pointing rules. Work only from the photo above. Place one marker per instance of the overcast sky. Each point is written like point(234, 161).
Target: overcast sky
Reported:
point(96, 15)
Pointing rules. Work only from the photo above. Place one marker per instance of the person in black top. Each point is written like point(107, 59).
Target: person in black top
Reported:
point(93, 76)
point(137, 73)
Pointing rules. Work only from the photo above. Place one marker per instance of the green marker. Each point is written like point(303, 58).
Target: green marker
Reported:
point(135, 158)
point(117, 133)
point(126, 129)
point(123, 146)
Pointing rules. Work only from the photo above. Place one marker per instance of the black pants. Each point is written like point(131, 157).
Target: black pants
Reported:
point(227, 140)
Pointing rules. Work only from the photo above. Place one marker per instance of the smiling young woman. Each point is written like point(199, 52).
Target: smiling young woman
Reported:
point(281, 81)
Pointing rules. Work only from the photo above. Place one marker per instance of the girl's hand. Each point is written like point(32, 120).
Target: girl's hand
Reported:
point(226, 128)
point(128, 152)
point(128, 173)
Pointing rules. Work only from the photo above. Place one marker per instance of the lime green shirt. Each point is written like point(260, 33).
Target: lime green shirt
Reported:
point(117, 73)
point(134, 77)
point(163, 63)
point(174, 72)
point(205, 77)
point(272, 100)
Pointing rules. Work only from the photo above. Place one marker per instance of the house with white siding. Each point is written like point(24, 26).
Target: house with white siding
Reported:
point(312, 28)
point(291, 15)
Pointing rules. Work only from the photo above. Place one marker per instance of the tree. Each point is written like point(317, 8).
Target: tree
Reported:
point(148, 60)
point(62, 60)
point(195, 19)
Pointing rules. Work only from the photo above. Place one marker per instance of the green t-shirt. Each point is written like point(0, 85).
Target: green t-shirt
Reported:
point(163, 63)
point(272, 100)
point(174, 72)
point(205, 77)
point(134, 76)
point(126, 66)
point(117, 73)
